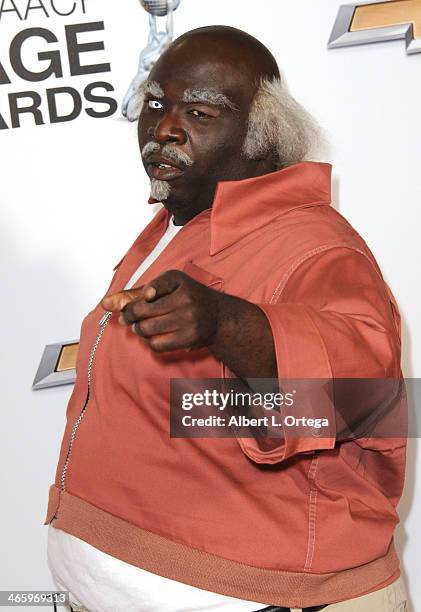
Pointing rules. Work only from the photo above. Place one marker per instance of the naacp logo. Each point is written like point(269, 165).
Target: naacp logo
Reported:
point(370, 22)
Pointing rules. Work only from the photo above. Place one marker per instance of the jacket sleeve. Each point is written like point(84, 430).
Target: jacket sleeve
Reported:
point(334, 320)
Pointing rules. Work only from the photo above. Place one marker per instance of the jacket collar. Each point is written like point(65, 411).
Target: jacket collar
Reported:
point(241, 207)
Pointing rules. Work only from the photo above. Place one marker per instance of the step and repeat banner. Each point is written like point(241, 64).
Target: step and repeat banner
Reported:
point(65, 102)
point(74, 196)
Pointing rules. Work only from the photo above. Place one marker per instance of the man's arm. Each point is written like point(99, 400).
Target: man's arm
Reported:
point(334, 320)
point(336, 330)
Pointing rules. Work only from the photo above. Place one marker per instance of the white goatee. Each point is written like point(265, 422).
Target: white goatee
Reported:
point(160, 190)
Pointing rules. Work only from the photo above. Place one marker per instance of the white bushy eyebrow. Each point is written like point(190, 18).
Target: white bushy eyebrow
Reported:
point(208, 95)
point(151, 87)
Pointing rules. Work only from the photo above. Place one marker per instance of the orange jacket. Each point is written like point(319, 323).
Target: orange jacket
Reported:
point(317, 526)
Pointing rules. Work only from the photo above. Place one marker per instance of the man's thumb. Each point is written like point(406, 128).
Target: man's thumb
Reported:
point(117, 301)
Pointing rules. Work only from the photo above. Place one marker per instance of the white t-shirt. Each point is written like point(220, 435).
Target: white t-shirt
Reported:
point(172, 230)
point(98, 582)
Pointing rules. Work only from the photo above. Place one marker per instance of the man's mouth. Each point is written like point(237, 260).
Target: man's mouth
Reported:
point(162, 169)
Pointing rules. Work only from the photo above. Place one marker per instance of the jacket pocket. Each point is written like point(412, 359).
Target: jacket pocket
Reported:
point(203, 276)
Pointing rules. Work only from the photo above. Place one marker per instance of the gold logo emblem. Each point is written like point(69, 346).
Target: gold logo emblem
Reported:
point(369, 22)
point(57, 366)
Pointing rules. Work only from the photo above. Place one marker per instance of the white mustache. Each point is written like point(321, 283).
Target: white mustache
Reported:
point(168, 151)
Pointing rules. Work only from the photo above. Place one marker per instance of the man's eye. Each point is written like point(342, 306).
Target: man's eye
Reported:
point(198, 113)
point(154, 104)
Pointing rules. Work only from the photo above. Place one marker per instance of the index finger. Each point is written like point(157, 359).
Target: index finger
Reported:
point(117, 301)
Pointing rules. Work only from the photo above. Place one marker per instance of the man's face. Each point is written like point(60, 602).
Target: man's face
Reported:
point(194, 120)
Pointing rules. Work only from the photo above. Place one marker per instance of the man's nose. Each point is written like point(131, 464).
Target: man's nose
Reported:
point(169, 130)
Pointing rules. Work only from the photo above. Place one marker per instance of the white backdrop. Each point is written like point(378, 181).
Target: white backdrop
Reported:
point(73, 198)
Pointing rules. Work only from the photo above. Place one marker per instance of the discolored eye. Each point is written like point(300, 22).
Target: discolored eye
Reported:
point(154, 104)
point(198, 113)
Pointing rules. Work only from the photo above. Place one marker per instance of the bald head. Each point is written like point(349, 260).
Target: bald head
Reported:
point(229, 45)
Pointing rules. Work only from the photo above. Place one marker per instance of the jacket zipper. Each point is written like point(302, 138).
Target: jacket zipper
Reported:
point(102, 324)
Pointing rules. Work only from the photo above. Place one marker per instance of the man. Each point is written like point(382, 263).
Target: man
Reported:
point(246, 272)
